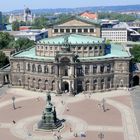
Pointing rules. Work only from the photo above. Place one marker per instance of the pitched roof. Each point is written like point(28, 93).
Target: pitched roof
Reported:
point(89, 15)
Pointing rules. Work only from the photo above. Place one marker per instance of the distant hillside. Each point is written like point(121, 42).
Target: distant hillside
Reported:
point(81, 9)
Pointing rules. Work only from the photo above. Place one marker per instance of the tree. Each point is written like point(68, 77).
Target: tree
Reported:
point(5, 39)
point(15, 26)
point(120, 17)
point(135, 51)
point(40, 22)
point(3, 59)
point(23, 43)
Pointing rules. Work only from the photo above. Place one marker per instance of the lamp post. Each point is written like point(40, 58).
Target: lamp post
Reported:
point(101, 136)
point(13, 99)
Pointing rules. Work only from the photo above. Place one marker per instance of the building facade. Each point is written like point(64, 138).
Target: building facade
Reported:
point(115, 34)
point(26, 16)
point(71, 63)
point(76, 24)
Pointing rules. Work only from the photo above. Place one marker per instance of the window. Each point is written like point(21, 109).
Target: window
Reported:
point(79, 71)
point(87, 69)
point(102, 83)
point(67, 30)
point(94, 69)
point(102, 68)
point(94, 84)
point(73, 30)
point(39, 68)
point(61, 30)
point(79, 48)
point(33, 68)
point(79, 30)
point(108, 68)
point(52, 70)
point(28, 67)
point(85, 30)
point(91, 30)
point(56, 30)
point(45, 69)
point(90, 48)
point(18, 67)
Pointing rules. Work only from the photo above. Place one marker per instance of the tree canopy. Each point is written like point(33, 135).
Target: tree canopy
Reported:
point(15, 26)
point(3, 59)
point(5, 38)
point(8, 41)
point(135, 51)
point(118, 16)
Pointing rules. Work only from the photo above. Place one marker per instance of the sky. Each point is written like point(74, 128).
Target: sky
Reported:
point(8, 5)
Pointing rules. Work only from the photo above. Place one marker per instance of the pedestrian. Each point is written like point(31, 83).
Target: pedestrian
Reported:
point(70, 129)
point(75, 134)
point(38, 99)
point(14, 122)
point(67, 108)
point(62, 102)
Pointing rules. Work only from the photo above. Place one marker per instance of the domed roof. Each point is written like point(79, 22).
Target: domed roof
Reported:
point(27, 11)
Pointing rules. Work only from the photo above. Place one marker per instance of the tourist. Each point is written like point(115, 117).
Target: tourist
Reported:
point(70, 129)
point(14, 122)
point(67, 108)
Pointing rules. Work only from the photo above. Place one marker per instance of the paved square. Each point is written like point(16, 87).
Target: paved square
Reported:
point(83, 114)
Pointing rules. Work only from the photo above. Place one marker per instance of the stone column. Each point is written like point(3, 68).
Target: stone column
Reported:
point(98, 68)
point(91, 69)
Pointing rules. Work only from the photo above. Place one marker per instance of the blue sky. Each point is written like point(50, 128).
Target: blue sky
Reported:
point(7, 5)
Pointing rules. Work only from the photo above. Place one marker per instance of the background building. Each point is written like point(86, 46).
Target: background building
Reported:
point(26, 16)
point(76, 24)
point(121, 32)
point(34, 35)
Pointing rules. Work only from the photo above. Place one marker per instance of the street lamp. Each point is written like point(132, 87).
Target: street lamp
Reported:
point(13, 99)
point(101, 136)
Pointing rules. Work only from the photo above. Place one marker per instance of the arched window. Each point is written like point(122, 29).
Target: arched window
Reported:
point(46, 85)
point(28, 67)
point(39, 68)
point(87, 86)
point(102, 68)
point(79, 71)
point(33, 83)
point(108, 68)
point(102, 83)
point(33, 68)
point(87, 69)
point(39, 84)
point(94, 84)
point(108, 83)
point(45, 69)
point(18, 67)
point(94, 69)
point(53, 70)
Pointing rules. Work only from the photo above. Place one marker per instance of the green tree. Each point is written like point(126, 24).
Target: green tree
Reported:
point(135, 51)
point(23, 43)
point(118, 16)
point(5, 39)
point(40, 22)
point(3, 59)
point(15, 26)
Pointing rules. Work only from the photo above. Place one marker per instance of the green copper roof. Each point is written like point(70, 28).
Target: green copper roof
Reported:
point(117, 51)
point(72, 39)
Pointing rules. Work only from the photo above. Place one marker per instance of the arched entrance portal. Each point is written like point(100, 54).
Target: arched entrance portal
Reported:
point(135, 80)
point(65, 86)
